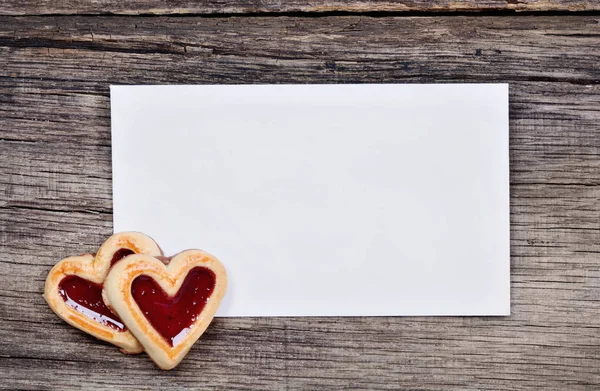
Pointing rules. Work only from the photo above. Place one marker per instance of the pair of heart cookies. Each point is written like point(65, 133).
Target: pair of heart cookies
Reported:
point(132, 296)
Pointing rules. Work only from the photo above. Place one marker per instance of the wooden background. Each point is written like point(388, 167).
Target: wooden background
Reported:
point(58, 58)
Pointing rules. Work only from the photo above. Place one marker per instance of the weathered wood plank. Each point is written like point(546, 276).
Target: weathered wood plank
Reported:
point(179, 7)
point(551, 341)
point(68, 167)
point(55, 196)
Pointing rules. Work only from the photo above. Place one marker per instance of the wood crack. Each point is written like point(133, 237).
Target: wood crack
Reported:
point(92, 45)
point(14, 206)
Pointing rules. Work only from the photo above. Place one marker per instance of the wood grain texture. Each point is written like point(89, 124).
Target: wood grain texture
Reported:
point(179, 7)
point(55, 196)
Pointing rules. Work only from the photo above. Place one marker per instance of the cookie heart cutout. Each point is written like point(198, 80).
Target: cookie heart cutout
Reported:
point(74, 289)
point(166, 307)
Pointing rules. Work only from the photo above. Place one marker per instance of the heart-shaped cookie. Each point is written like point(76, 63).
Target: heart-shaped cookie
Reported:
point(74, 289)
point(166, 307)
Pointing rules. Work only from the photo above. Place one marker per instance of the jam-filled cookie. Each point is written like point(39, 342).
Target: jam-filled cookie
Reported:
point(74, 289)
point(166, 307)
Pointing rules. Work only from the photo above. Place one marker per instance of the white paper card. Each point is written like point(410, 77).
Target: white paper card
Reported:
point(325, 200)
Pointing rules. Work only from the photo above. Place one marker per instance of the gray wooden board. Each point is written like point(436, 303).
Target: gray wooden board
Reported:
point(55, 196)
point(178, 7)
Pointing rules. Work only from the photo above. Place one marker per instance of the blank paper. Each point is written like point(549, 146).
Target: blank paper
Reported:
point(325, 200)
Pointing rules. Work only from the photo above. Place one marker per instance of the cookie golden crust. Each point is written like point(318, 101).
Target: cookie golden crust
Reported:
point(84, 275)
point(192, 283)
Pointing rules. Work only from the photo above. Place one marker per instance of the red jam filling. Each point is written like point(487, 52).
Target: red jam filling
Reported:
point(173, 316)
point(120, 254)
point(86, 297)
